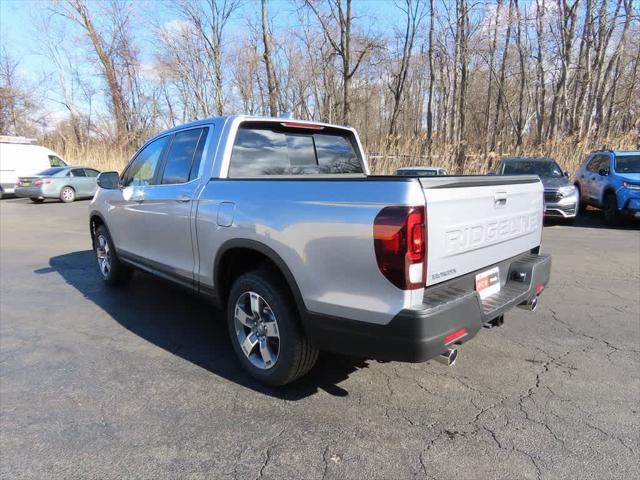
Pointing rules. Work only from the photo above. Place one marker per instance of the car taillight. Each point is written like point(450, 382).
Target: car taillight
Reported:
point(42, 182)
point(401, 245)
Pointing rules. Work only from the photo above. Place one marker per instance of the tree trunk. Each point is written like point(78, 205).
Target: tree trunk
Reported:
point(268, 63)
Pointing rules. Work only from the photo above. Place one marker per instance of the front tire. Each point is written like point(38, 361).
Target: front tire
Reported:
point(67, 195)
point(112, 270)
point(265, 330)
point(610, 209)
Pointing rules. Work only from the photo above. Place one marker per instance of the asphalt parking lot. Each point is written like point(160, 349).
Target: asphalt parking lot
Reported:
point(142, 382)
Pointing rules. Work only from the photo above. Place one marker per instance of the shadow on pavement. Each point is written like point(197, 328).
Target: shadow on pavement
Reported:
point(188, 326)
point(592, 218)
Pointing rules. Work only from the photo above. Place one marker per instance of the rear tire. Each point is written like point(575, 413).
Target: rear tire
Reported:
point(67, 194)
point(112, 270)
point(36, 199)
point(610, 209)
point(258, 300)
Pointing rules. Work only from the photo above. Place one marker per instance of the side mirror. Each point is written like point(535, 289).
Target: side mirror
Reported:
point(603, 173)
point(567, 174)
point(109, 180)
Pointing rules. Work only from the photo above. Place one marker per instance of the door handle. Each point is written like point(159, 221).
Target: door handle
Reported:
point(183, 198)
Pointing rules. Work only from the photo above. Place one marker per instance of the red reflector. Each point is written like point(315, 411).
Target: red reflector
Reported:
point(311, 126)
point(539, 288)
point(42, 182)
point(452, 337)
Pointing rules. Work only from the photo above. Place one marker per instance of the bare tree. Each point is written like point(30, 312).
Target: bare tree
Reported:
point(340, 17)
point(414, 10)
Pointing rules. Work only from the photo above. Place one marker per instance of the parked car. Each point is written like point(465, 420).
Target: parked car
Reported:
point(560, 195)
point(64, 183)
point(421, 171)
point(280, 223)
point(610, 180)
point(19, 158)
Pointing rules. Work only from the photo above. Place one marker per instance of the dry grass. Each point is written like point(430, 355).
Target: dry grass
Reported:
point(407, 152)
point(105, 156)
point(101, 155)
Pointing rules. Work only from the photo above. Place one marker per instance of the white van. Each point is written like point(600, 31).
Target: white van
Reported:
point(18, 158)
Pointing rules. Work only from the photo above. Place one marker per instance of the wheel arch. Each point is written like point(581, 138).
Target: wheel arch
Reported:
point(95, 220)
point(238, 256)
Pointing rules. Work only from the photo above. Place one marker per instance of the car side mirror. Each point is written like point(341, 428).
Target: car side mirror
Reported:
point(567, 174)
point(109, 180)
point(603, 173)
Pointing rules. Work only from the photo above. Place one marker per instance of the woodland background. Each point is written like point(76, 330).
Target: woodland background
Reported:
point(453, 83)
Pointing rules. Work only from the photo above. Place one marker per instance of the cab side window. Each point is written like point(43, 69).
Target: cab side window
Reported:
point(55, 161)
point(142, 169)
point(90, 172)
point(78, 172)
point(183, 158)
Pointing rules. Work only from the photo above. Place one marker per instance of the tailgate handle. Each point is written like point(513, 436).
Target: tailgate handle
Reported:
point(499, 199)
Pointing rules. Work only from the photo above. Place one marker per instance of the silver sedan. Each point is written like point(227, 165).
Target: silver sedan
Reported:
point(64, 183)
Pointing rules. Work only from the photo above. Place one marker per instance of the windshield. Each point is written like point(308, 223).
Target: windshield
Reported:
point(417, 173)
point(628, 164)
point(532, 167)
point(51, 171)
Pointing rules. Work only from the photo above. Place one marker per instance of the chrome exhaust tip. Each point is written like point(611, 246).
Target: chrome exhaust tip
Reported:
point(449, 357)
point(530, 305)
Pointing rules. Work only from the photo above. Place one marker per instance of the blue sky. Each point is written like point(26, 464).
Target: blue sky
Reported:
point(21, 37)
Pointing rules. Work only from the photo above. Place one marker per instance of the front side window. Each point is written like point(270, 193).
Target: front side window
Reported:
point(272, 149)
point(142, 169)
point(90, 172)
point(181, 165)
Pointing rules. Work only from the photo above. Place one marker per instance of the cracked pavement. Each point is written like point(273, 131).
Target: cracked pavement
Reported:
point(142, 382)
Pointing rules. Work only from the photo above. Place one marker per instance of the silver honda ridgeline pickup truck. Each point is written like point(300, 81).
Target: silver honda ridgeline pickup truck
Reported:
point(280, 223)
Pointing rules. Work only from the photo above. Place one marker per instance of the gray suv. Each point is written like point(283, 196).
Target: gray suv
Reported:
point(560, 195)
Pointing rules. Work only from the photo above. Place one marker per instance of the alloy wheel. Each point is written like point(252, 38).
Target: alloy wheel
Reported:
point(257, 330)
point(103, 255)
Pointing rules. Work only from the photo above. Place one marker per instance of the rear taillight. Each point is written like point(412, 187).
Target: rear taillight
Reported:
point(400, 244)
point(42, 182)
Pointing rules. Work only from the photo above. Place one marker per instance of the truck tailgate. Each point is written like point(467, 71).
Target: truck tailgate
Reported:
point(476, 221)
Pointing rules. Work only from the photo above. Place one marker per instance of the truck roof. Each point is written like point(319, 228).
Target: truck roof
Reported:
point(230, 118)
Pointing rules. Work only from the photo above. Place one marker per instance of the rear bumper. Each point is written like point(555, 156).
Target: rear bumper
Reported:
point(7, 188)
point(28, 192)
point(418, 334)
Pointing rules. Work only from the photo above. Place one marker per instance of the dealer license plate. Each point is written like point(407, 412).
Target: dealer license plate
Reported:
point(488, 283)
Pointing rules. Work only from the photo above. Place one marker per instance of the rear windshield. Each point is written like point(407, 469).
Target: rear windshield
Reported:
point(628, 164)
point(271, 149)
point(51, 171)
